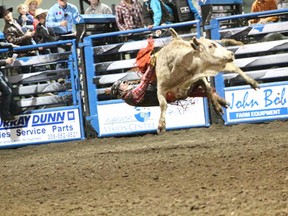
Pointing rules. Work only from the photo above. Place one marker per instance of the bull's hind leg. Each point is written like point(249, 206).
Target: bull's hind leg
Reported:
point(213, 97)
point(221, 101)
point(163, 108)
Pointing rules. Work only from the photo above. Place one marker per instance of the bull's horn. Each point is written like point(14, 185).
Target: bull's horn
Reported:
point(195, 41)
point(194, 46)
point(173, 33)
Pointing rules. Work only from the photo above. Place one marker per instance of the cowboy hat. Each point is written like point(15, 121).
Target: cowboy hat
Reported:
point(3, 9)
point(27, 2)
point(40, 11)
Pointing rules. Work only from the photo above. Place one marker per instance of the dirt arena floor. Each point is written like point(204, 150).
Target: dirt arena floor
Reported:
point(221, 170)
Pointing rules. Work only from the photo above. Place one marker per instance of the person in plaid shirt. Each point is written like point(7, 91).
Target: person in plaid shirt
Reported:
point(144, 94)
point(129, 15)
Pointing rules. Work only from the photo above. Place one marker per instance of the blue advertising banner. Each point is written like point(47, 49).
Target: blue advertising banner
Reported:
point(270, 102)
point(40, 127)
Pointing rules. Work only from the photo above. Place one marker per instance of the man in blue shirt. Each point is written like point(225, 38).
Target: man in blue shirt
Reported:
point(156, 13)
point(60, 17)
point(186, 11)
point(194, 10)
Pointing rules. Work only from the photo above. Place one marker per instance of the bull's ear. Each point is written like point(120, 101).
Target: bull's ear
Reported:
point(173, 33)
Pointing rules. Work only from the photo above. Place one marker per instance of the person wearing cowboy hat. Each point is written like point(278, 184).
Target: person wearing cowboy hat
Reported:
point(32, 7)
point(12, 31)
point(97, 7)
point(5, 10)
point(42, 33)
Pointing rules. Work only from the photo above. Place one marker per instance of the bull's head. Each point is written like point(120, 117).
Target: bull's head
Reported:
point(211, 51)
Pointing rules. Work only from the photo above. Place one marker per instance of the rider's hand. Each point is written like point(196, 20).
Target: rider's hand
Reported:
point(9, 60)
point(108, 91)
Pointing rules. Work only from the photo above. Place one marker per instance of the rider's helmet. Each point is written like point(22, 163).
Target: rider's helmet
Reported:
point(116, 92)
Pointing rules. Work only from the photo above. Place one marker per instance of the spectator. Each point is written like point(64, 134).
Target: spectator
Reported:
point(12, 30)
point(32, 7)
point(194, 10)
point(129, 15)
point(180, 10)
point(156, 13)
point(283, 4)
point(96, 7)
point(184, 10)
point(60, 18)
point(263, 5)
point(25, 19)
point(42, 33)
point(6, 93)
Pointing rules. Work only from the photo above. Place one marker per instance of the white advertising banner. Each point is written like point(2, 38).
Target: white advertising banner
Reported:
point(122, 118)
point(267, 103)
point(41, 127)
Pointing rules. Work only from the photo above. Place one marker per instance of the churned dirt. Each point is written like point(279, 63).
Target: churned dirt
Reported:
point(221, 170)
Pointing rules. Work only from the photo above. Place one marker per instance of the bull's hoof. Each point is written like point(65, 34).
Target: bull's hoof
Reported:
point(161, 130)
point(255, 85)
point(223, 103)
point(217, 105)
point(218, 110)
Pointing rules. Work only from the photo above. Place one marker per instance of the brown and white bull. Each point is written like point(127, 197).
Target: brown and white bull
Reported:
point(181, 64)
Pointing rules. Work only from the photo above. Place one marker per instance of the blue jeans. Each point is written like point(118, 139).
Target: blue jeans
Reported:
point(6, 95)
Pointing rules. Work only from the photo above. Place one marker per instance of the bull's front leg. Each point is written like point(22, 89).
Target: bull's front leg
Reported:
point(163, 109)
point(231, 67)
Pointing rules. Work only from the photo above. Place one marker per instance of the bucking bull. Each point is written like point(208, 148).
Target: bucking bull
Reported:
point(181, 68)
point(180, 64)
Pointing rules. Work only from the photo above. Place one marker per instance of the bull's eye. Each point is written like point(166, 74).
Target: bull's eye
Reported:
point(212, 46)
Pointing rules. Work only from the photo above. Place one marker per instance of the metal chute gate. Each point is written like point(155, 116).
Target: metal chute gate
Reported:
point(107, 63)
point(46, 90)
point(264, 57)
